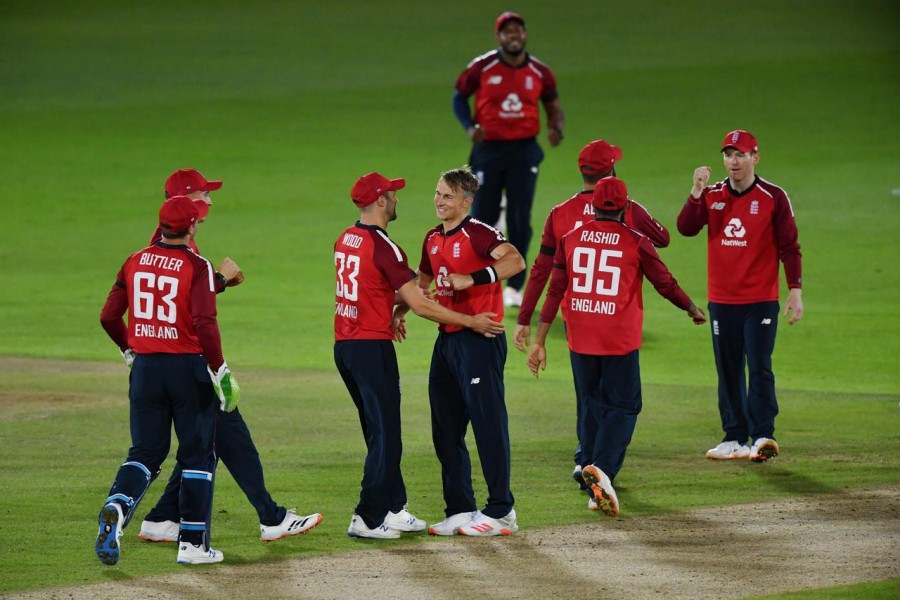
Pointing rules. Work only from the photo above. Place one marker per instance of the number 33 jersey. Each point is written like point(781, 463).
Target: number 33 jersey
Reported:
point(369, 267)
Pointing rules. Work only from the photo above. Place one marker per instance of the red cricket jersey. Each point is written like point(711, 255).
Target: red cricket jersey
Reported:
point(747, 235)
point(170, 297)
point(506, 97)
point(220, 282)
point(598, 275)
point(369, 268)
point(465, 249)
point(565, 217)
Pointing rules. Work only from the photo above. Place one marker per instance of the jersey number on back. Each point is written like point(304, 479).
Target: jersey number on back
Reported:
point(584, 262)
point(347, 266)
point(144, 297)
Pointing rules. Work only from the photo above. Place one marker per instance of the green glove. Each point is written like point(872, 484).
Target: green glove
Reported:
point(226, 386)
point(128, 355)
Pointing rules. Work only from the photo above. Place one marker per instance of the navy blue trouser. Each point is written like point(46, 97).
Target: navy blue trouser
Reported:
point(611, 390)
point(167, 388)
point(511, 166)
point(466, 384)
point(236, 449)
point(743, 341)
point(369, 370)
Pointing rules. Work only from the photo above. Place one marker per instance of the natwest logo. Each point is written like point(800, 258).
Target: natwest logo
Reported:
point(511, 107)
point(735, 229)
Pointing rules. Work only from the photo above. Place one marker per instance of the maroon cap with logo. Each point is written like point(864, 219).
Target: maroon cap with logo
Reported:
point(508, 16)
point(177, 214)
point(598, 156)
point(610, 194)
point(742, 140)
point(186, 181)
point(371, 186)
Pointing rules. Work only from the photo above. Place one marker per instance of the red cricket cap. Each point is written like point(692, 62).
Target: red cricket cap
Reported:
point(508, 16)
point(370, 187)
point(598, 156)
point(186, 181)
point(610, 194)
point(177, 214)
point(742, 140)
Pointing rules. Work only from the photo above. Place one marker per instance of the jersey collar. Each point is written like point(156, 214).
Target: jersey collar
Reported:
point(369, 227)
point(456, 229)
point(737, 194)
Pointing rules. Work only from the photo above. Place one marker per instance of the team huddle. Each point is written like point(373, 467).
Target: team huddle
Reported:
point(596, 249)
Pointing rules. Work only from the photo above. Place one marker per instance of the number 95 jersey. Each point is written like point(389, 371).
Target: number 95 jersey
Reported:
point(369, 267)
point(598, 274)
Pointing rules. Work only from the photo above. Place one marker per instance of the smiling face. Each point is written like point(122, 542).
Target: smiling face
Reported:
point(741, 166)
point(451, 205)
point(512, 37)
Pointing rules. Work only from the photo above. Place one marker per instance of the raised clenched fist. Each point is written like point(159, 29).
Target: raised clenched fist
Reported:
point(231, 272)
point(701, 178)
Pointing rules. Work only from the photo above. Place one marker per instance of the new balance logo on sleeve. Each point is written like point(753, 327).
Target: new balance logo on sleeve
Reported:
point(475, 381)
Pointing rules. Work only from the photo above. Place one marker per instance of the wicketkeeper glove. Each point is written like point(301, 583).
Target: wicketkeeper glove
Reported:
point(226, 386)
point(128, 355)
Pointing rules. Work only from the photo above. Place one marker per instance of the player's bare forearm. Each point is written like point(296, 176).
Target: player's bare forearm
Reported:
point(509, 261)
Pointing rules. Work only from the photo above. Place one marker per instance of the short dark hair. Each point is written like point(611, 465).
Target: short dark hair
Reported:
point(613, 215)
point(594, 177)
point(461, 180)
point(173, 234)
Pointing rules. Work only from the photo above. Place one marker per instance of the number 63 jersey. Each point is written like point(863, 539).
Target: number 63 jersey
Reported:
point(598, 274)
point(169, 293)
point(369, 267)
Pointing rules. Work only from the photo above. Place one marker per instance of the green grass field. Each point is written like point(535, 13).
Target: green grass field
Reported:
point(288, 103)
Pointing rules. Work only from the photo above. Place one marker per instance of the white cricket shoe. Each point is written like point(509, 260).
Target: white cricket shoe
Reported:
point(482, 525)
point(763, 449)
point(358, 528)
point(189, 554)
point(604, 495)
point(449, 525)
point(728, 451)
point(159, 531)
point(109, 536)
point(292, 524)
point(511, 297)
point(403, 520)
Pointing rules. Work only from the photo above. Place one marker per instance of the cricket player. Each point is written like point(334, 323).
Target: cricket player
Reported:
point(595, 161)
point(508, 85)
point(466, 260)
point(172, 333)
point(372, 275)
point(234, 444)
point(598, 274)
point(750, 228)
